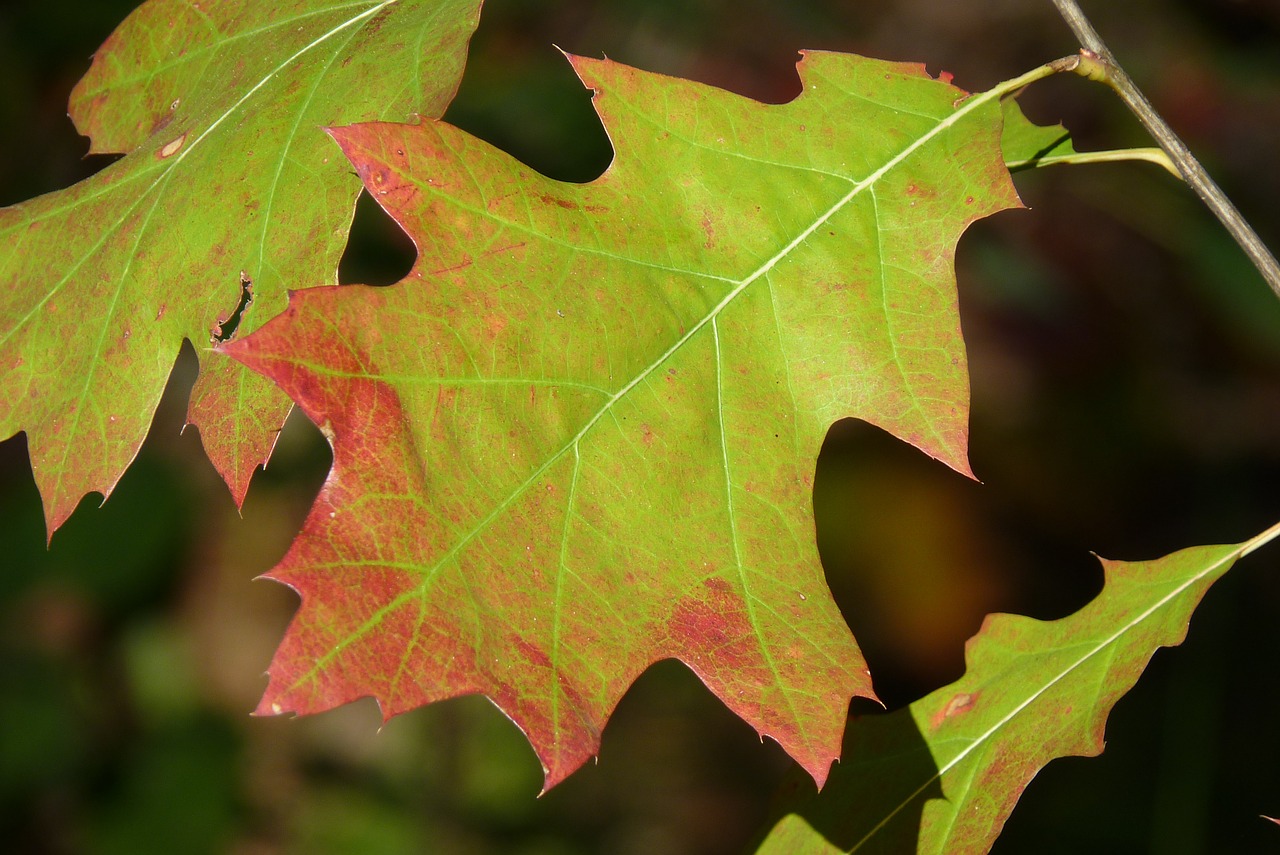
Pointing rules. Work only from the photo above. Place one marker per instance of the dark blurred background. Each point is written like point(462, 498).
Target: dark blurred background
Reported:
point(1126, 390)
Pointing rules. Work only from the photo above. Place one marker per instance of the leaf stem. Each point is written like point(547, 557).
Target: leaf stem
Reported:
point(1100, 64)
point(1150, 155)
point(1057, 66)
point(1260, 540)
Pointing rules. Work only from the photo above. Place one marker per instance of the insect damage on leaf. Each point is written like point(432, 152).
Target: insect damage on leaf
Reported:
point(226, 326)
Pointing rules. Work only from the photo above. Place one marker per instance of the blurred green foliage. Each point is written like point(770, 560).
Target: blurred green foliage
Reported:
point(1126, 383)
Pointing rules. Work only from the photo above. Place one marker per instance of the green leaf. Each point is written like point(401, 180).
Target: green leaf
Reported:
point(1026, 144)
point(943, 775)
point(580, 437)
point(228, 179)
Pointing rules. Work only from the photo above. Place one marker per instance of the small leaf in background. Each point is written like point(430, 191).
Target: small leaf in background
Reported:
point(229, 189)
point(580, 437)
point(943, 775)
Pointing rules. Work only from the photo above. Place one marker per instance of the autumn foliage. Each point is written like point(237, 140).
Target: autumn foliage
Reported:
point(580, 436)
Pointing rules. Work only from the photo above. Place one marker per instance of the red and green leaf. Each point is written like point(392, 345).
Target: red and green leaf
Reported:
point(580, 436)
point(943, 775)
point(228, 178)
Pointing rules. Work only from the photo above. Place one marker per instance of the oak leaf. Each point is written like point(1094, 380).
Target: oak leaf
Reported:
point(229, 191)
point(943, 775)
point(580, 436)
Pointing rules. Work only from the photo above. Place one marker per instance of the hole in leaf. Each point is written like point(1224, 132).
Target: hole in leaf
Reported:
point(378, 251)
point(225, 330)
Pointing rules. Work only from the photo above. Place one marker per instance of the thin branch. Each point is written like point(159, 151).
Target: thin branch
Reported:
point(1110, 72)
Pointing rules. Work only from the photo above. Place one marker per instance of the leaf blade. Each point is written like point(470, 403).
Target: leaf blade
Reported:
point(954, 764)
point(226, 175)
point(562, 360)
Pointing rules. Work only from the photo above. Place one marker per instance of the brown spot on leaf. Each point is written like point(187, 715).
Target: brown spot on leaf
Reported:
point(162, 122)
point(959, 704)
point(563, 203)
point(171, 148)
point(572, 206)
